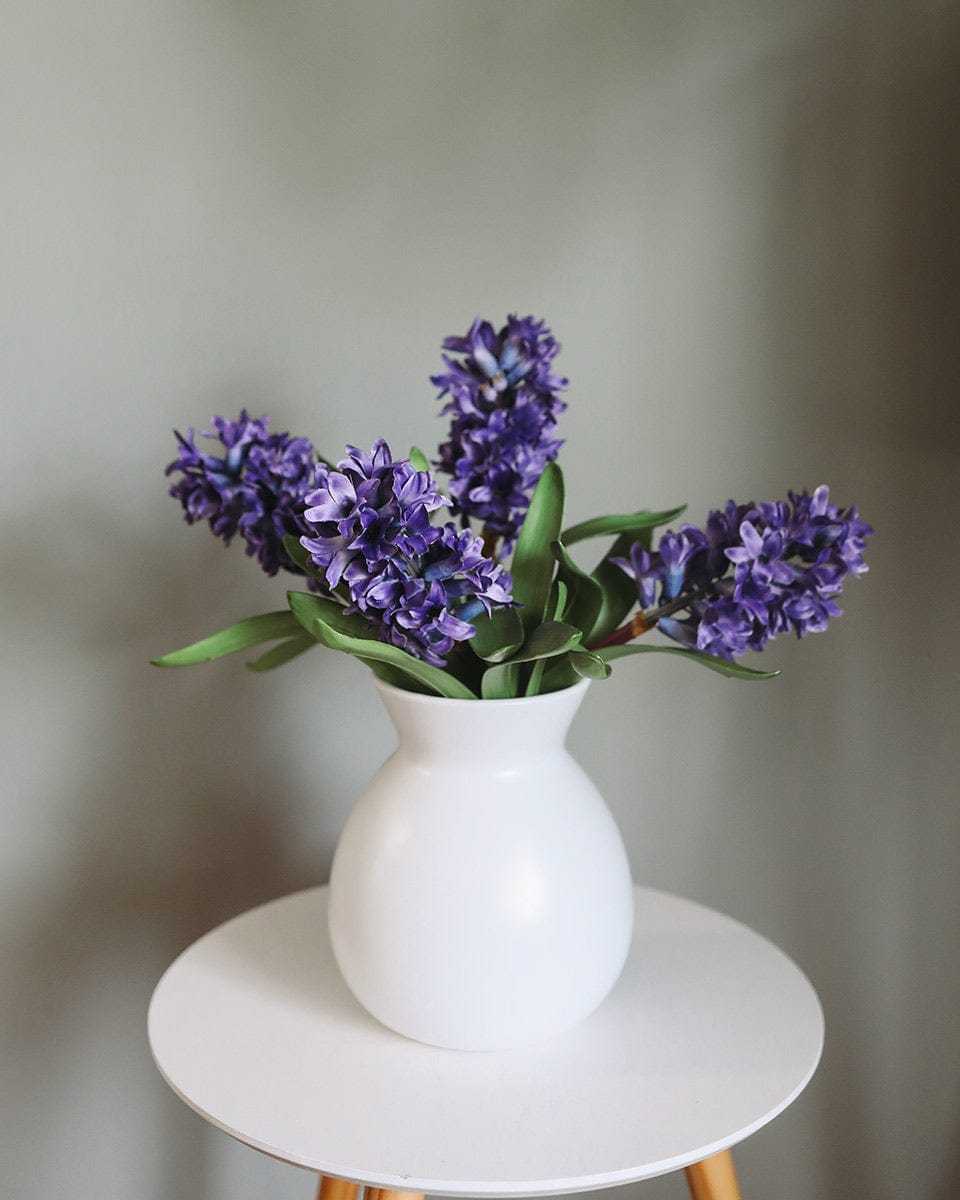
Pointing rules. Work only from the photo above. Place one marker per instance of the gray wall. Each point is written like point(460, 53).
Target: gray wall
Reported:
point(741, 220)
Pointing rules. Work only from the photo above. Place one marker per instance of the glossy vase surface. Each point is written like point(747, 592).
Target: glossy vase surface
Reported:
point(480, 894)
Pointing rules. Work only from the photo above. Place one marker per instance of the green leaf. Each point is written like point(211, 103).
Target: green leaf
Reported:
point(618, 591)
point(498, 635)
point(418, 459)
point(268, 627)
point(301, 556)
point(558, 602)
point(307, 608)
point(283, 652)
point(397, 678)
point(532, 563)
point(389, 663)
point(297, 552)
point(629, 523)
point(372, 651)
point(501, 682)
point(585, 594)
point(558, 674)
point(547, 640)
point(712, 663)
point(589, 664)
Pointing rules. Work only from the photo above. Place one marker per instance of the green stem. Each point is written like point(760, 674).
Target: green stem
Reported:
point(642, 622)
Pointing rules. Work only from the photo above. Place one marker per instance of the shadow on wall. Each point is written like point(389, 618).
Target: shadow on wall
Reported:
point(161, 815)
point(860, 323)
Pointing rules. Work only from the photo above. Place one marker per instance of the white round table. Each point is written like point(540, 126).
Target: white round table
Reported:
point(710, 1032)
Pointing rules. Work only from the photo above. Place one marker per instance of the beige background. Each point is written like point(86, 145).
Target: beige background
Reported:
point(741, 221)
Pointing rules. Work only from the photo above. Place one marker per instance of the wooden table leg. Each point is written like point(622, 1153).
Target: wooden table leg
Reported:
point(341, 1189)
point(337, 1189)
point(714, 1178)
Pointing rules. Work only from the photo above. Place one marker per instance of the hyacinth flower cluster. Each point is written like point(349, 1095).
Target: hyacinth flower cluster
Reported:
point(255, 487)
point(503, 401)
point(371, 537)
point(755, 571)
point(473, 593)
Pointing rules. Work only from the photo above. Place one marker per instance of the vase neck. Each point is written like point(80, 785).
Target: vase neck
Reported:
point(485, 732)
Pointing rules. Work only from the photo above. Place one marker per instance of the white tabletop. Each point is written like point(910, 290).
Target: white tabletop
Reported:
point(710, 1032)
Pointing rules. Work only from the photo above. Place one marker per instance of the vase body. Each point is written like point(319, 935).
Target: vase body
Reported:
point(480, 893)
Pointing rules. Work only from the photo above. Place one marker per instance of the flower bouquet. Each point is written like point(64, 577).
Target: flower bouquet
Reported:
point(469, 590)
point(480, 895)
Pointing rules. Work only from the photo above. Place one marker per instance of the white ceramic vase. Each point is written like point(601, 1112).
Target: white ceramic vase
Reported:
point(480, 895)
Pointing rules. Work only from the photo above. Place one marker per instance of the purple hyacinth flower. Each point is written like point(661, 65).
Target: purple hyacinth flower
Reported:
point(682, 631)
point(676, 550)
point(419, 585)
point(725, 629)
point(645, 569)
point(254, 488)
point(504, 401)
point(755, 571)
point(366, 510)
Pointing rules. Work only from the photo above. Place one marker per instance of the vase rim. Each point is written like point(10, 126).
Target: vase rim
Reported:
point(389, 689)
